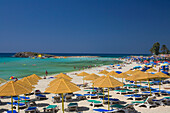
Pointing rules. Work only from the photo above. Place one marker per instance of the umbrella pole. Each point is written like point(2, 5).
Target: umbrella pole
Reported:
point(25, 98)
point(83, 81)
point(62, 103)
point(93, 86)
point(12, 104)
point(159, 85)
point(108, 100)
point(103, 95)
point(18, 103)
point(149, 87)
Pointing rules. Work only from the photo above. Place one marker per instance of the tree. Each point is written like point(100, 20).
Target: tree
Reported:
point(164, 49)
point(155, 48)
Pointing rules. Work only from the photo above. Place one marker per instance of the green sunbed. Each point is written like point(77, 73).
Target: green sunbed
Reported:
point(51, 106)
point(117, 106)
point(90, 90)
point(166, 97)
point(94, 101)
point(73, 104)
point(138, 102)
point(23, 101)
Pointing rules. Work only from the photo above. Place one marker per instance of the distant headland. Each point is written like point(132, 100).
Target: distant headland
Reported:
point(42, 55)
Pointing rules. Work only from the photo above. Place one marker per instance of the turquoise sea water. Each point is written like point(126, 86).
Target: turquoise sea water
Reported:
point(21, 67)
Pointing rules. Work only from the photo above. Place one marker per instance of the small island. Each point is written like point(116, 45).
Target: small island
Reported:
point(43, 56)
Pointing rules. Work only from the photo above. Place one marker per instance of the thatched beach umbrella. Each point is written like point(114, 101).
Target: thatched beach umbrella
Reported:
point(91, 77)
point(29, 81)
point(112, 73)
point(63, 75)
point(62, 86)
point(129, 72)
point(138, 76)
point(108, 82)
point(122, 75)
point(151, 70)
point(57, 79)
point(34, 76)
point(13, 89)
point(161, 75)
point(103, 72)
point(83, 74)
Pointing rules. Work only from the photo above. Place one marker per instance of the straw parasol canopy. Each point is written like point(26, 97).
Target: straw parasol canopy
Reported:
point(29, 81)
point(103, 72)
point(162, 75)
point(129, 72)
point(25, 84)
point(62, 86)
point(112, 73)
point(57, 79)
point(140, 76)
point(151, 70)
point(35, 77)
point(91, 77)
point(64, 76)
point(12, 89)
point(122, 75)
point(108, 82)
point(2, 80)
point(98, 79)
point(83, 74)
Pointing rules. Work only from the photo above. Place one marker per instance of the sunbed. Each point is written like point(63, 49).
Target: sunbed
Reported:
point(95, 103)
point(14, 111)
point(21, 105)
point(72, 107)
point(148, 102)
point(55, 99)
point(104, 110)
point(80, 97)
point(68, 98)
point(134, 96)
point(91, 96)
point(32, 109)
point(40, 96)
point(100, 95)
point(111, 100)
point(51, 108)
point(28, 102)
point(125, 108)
point(125, 91)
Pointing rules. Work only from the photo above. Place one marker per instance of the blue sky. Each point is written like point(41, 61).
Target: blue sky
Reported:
point(83, 26)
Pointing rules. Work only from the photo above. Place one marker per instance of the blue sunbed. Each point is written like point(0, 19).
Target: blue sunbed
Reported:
point(103, 110)
point(31, 109)
point(14, 111)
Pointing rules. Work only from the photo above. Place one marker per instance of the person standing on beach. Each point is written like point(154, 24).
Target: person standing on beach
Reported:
point(46, 73)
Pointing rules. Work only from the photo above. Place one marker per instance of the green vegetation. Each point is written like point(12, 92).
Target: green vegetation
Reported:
point(155, 49)
point(164, 49)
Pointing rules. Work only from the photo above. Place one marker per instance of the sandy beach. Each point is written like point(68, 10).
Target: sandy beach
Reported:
point(84, 106)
